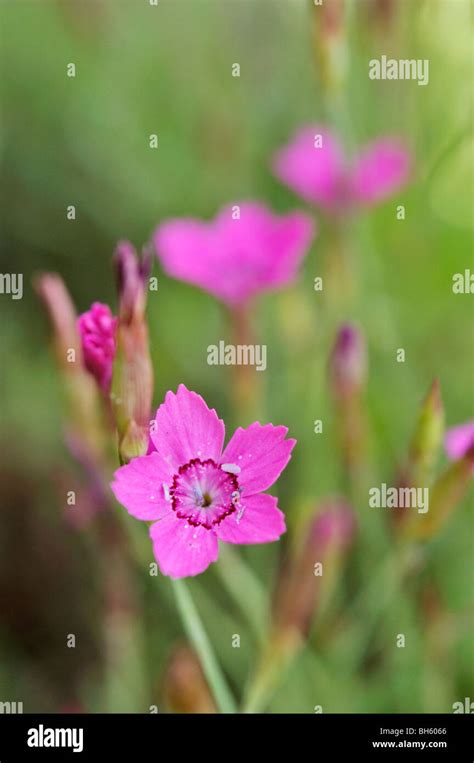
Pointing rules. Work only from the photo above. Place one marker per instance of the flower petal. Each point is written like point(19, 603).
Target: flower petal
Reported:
point(139, 487)
point(261, 452)
point(184, 247)
point(458, 440)
point(380, 171)
point(315, 171)
point(186, 428)
point(288, 241)
point(261, 521)
point(180, 549)
point(97, 328)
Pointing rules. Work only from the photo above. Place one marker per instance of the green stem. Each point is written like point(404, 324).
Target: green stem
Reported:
point(245, 588)
point(276, 660)
point(199, 640)
point(245, 380)
point(386, 583)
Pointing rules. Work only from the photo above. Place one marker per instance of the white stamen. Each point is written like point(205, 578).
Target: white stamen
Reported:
point(230, 468)
point(166, 491)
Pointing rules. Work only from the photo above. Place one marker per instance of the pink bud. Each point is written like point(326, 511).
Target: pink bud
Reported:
point(348, 362)
point(53, 293)
point(132, 275)
point(326, 540)
point(97, 329)
point(333, 528)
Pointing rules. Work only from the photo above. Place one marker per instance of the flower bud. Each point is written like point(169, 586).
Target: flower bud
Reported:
point(52, 291)
point(132, 278)
point(427, 438)
point(132, 384)
point(84, 419)
point(447, 491)
point(97, 329)
point(348, 362)
point(314, 566)
point(424, 447)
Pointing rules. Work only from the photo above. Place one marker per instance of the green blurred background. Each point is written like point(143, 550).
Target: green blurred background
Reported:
point(85, 141)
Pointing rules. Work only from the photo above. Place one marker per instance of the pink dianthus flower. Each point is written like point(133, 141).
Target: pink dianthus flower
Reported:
point(196, 492)
point(235, 257)
point(313, 165)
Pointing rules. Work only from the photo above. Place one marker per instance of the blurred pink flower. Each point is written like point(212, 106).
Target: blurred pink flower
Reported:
point(195, 492)
point(459, 440)
point(235, 259)
point(334, 527)
point(319, 172)
point(97, 328)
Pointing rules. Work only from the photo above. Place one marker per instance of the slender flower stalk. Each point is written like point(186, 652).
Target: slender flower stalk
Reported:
point(340, 274)
point(246, 590)
point(439, 638)
point(246, 381)
point(200, 642)
point(122, 637)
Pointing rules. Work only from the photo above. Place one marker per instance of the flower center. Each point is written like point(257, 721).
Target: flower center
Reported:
point(206, 500)
point(204, 493)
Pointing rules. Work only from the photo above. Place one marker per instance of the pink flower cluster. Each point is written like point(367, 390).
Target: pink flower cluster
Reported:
point(193, 490)
point(247, 249)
